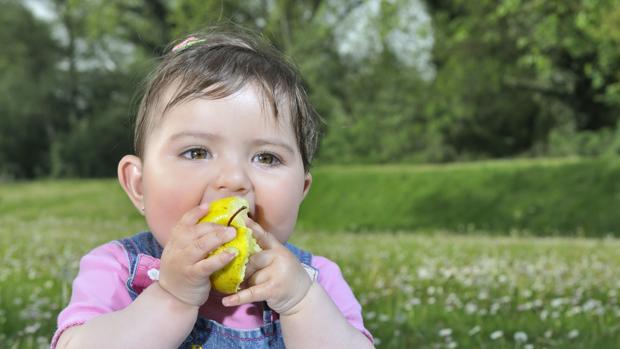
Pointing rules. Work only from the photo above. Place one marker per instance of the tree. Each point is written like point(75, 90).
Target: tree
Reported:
point(30, 111)
point(510, 73)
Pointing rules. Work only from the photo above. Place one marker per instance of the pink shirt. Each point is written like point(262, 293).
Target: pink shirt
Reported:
point(99, 288)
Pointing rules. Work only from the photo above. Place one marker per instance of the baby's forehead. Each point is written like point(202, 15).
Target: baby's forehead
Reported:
point(274, 112)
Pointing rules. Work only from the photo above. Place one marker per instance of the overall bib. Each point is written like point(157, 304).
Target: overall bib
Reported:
point(208, 333)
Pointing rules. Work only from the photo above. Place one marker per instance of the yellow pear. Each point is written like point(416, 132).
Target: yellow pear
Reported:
point(232, 211)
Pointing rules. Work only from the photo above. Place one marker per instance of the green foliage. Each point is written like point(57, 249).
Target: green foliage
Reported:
point(516, 78)
point(510, 73)
point(95, 142)
point(28, 84)
point(605, 142)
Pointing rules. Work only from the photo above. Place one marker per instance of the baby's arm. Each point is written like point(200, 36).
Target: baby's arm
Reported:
point(156, 319)
point(163, 314)
point(309, 317)
point(316, 322)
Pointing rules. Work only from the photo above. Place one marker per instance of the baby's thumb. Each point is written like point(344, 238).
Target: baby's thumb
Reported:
point(192, 216)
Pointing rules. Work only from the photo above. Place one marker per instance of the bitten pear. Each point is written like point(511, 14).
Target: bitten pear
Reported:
point(232, 211)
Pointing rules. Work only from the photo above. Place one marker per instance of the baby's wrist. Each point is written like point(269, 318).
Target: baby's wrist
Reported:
point(302, 303)
point(170, 298)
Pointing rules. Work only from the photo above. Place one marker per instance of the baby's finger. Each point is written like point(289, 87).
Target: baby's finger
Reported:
point(265, 239)
point(260, 277)
point(249, 295)
point(205, 243)
point(258, 261)
point(210, 265)
point(192, 216)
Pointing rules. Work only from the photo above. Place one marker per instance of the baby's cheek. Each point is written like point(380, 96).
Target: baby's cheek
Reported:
point(163, 213)
point(279, 217)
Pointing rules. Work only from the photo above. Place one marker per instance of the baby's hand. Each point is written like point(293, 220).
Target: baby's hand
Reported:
point(184, 271)
point(275, 276)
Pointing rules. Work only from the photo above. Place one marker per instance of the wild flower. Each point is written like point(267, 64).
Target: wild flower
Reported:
point(548, 334)
point(520, 337)
point(573, 334)
point(557, 302)
point(496, 335)
point(524, 307)
point(474, 330)
point(591, 304)
point(424, 273)
point(471, 308)
point(30, 329)
point(414, 301)
point(445, 332)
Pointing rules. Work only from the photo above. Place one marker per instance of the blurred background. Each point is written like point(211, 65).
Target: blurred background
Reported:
point(396, 81)
point(467, 184)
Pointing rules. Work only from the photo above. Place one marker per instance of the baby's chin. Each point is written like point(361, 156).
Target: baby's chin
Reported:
point(282, 237)
point(162, 239)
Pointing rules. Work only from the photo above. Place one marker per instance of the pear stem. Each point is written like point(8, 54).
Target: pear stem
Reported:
point(235, 214)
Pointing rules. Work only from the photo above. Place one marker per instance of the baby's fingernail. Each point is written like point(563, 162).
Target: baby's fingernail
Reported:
point(204, 206)
point(232, 251)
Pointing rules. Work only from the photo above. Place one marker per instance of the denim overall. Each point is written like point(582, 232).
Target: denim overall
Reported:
point(208, 333)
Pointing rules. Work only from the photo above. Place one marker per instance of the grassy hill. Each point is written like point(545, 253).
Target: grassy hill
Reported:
point(542, 197)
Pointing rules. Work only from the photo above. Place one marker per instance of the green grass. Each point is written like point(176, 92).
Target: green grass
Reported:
point(543, 197)
point(413, 288)
point(423, 288)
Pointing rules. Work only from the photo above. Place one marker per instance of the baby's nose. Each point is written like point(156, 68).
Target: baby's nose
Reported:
point(232, 178)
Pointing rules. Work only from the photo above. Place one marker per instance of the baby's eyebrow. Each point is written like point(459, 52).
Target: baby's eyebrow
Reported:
point(195, 134)
point(274, 142)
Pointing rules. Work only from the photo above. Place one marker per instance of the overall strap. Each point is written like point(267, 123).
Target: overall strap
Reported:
point(304, 256)
point(144, 243)
point(268, 320)
point(140, 244)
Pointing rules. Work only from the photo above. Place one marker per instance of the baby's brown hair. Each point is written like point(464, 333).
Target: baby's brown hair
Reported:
point(216, 64)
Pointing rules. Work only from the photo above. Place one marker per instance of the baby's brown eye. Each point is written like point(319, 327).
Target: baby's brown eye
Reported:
point(199, 154)
point(267, 159)
point(196, 154)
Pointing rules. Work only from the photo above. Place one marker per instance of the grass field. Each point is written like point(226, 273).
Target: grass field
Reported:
point(419, 289)
point(559, 197)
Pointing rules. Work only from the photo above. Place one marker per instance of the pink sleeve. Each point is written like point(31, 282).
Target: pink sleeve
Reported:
point(332, 281)
point(99, 287)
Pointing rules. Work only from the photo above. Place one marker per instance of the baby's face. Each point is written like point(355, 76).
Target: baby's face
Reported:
point(204, 150)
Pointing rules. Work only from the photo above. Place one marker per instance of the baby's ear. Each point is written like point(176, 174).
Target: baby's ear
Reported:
point(307, 183)
point(130, 178)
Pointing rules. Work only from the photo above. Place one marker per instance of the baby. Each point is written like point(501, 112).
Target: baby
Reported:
point(224, 114)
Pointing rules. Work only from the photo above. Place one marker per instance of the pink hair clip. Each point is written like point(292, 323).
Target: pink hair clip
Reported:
point(190, 41)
